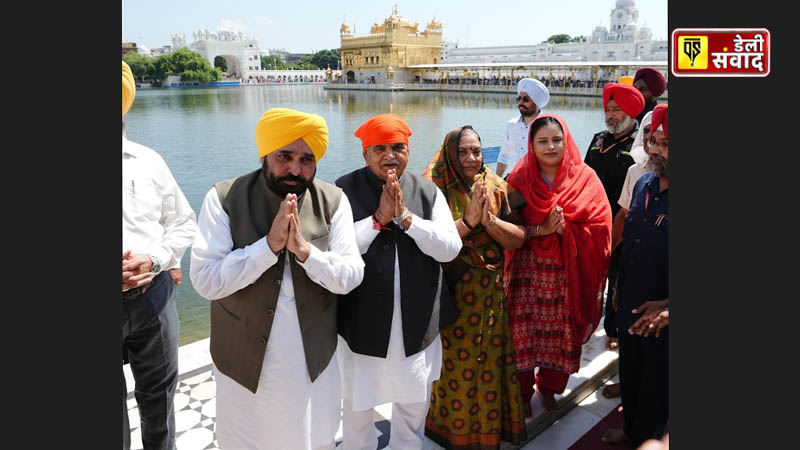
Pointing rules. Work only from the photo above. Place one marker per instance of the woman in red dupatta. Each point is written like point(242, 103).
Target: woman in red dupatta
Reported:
point(555, 281)
point(476, 402)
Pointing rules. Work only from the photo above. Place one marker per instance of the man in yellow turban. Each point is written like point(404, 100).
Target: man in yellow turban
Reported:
point(128, 88)
point(158, 225)
point(274, 248)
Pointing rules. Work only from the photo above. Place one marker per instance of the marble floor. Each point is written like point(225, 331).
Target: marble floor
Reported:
point(195, 406)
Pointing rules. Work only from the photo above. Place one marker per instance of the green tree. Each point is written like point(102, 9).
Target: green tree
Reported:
point(272, 62)
point(162, 68)
point(141, 66)
point(326, 58)
point(305, 63)
point(189, 65)
point(578, 39)
point(557, 39)
point(220, 62)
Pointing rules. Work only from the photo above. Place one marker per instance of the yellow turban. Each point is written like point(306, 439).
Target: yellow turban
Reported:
point(626, 80)
point(279, 127)
point(128, 88)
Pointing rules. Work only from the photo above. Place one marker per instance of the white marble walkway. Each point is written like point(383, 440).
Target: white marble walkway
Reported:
point(580, 407)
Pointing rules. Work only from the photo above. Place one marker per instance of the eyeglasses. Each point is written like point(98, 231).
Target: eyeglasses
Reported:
point(653, 143)
point(525, 99)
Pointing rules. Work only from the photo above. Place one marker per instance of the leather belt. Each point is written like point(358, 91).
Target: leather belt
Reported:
point(135, 293)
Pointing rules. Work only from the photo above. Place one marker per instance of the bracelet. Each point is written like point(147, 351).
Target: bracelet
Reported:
point(491, 221)
point(532, 232)
point(377, 225)
point(466, 224)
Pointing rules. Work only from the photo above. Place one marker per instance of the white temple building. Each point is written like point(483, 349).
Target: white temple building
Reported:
point(242, 54)
point(624, 41)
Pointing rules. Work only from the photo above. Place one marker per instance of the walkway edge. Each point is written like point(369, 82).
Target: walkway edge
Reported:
point(543, 421)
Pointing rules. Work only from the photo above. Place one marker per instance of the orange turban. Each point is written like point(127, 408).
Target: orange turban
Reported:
point(279, 127)
point(629, 99)
point(660, 115)
point(128, 88)
point(383, 129)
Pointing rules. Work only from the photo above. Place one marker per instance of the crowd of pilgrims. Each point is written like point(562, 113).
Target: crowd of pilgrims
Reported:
point(460, 293)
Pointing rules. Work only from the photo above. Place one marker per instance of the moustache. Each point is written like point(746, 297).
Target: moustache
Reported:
point(290, 177)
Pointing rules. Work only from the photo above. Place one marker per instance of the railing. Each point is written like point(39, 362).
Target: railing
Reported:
point(554, 89)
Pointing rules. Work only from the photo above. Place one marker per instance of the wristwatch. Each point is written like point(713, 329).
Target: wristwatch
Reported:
point(156, 264)
point(399, 219)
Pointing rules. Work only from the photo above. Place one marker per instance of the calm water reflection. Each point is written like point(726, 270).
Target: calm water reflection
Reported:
point(207, 135)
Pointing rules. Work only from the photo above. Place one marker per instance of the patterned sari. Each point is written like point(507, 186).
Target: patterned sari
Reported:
point(476, 402)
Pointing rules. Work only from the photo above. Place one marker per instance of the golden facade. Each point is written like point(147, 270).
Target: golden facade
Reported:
point(390, 48)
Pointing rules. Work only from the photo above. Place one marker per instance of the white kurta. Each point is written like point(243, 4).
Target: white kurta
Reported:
point(287, 411)
point(371, 381)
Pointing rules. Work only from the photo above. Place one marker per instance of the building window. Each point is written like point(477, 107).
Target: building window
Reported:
point(377, 60)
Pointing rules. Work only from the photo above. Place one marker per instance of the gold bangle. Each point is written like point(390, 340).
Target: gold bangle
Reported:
point(491, 221)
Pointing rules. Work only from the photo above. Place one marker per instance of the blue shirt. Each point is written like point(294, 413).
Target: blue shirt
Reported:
point(643, 273)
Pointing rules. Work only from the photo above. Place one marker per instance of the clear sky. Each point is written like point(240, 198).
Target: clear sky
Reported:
point(307, 26)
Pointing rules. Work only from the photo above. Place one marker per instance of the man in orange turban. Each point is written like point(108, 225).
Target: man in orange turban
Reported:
point(274, 248)
point(158, 225)
point(391, 350)
point(609, 155)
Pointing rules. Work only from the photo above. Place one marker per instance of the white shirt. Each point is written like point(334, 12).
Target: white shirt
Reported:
point(371, 381)
point(516, 144)
point(634, 173)
point(156, 218)
point(288, 411)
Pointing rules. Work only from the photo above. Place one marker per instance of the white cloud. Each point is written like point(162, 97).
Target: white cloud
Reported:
point(232, 25)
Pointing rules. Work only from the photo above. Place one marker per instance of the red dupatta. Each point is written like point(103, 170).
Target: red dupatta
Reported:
point(586, 242)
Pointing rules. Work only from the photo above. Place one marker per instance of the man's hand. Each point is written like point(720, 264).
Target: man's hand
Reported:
point(651, 317)
point(651, 322)
point(136, 270)
point(296, 243)
point(650, 306)
point(130, 281)
point(399, 202)
point(386, 208)
point(611, 343)
point(279, 231)
point(176, 275)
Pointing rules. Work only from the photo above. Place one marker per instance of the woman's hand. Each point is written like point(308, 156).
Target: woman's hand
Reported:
point(554, 222)
point(474, 211)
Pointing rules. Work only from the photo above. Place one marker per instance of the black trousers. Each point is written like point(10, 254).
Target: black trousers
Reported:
point(150, 340)
point(613, 271)
point(644, 378)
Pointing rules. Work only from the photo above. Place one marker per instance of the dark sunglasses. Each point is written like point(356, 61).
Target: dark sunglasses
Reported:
point(525, 99)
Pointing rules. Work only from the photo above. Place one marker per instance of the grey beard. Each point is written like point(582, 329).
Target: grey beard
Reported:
point(626, 124)
point(658, 166)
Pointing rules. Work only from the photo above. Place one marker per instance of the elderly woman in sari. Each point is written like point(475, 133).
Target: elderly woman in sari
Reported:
point(476, 401)
point(555, 281)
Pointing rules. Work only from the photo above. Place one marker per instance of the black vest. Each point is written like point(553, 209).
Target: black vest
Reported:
point(611, 166)
point(365, 314)
point(241, 322)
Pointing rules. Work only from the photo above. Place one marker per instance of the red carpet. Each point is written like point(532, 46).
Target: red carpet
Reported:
point(591, 440)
